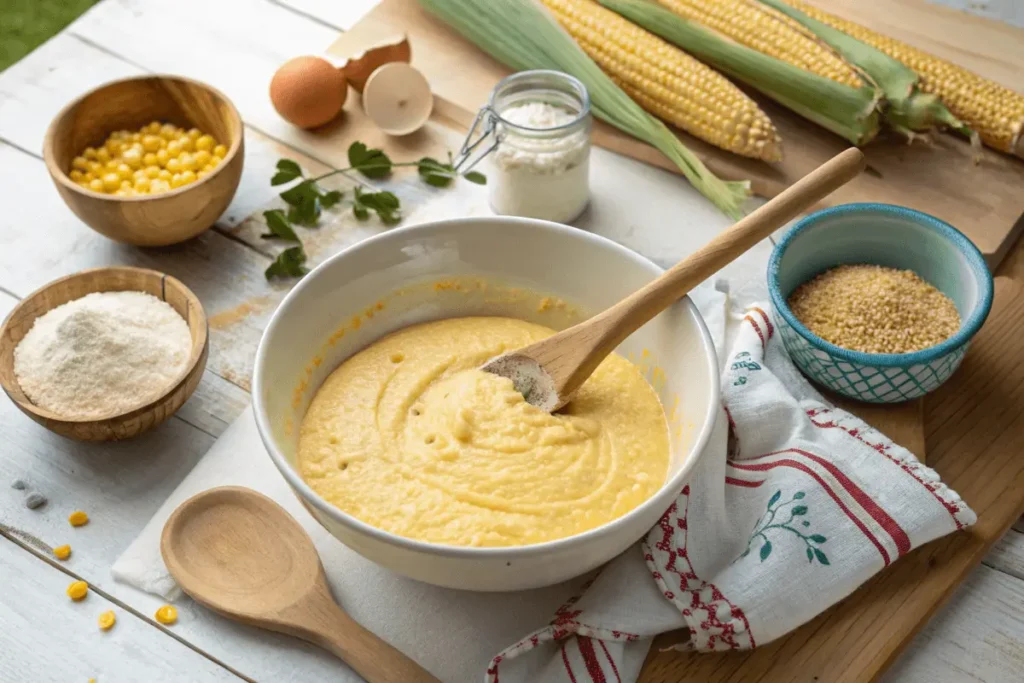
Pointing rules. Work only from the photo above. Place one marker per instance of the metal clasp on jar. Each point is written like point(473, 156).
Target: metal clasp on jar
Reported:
point(487, 122)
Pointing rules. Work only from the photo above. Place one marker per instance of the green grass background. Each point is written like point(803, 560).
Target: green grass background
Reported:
point(27, 24)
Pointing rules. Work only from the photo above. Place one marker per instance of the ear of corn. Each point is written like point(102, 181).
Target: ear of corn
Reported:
point(669, 83)
point(996, 113)
point(833, 97)
point(908, 109)
point(522, 35)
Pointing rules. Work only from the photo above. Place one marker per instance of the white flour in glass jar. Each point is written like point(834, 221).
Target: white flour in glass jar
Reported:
point(540, 173)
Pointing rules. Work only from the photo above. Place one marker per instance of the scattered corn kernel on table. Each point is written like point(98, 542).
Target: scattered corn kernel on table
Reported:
point(236, 45)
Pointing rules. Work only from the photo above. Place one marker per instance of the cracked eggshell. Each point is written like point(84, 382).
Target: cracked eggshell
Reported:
point(397, 98)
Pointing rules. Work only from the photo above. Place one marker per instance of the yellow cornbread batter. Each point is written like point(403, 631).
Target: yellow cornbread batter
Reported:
point(410, 437)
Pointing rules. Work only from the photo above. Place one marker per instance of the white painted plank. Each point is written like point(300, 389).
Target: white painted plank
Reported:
point(977, 636)
point(1007, 555)
point(234, 45)
point(339, 14)
point(44, 636)
point(1010, 11)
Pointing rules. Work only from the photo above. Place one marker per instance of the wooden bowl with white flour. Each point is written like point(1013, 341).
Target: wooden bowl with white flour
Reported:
point(125, 416)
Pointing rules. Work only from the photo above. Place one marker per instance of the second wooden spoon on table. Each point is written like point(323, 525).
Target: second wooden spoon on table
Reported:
point(549, 372)
point(242, 555)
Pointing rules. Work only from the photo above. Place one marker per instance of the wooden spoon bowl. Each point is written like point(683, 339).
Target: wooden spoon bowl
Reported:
point(151, 220)
point(122, 425)
point(239, 553)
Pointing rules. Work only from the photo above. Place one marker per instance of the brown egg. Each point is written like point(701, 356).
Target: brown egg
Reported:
point(308, 91)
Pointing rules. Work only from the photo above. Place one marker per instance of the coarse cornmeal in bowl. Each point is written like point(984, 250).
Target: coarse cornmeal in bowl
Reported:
point(529, 270)
point(893, 237)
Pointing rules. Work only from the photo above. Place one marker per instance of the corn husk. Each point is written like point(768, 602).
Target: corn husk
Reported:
point(523, 35)
point(907, 108)
point(851, 112)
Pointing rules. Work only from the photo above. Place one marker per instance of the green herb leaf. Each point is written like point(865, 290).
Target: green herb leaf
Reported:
point(433, 172)
point(287, 171)
point(288, 264)
point(331, 198)
point(384, 204)
point(304, 199)
point(278, 226)
point(372, 163)
point(476, 177)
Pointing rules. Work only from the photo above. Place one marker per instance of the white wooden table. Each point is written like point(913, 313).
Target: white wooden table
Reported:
point(236, 45)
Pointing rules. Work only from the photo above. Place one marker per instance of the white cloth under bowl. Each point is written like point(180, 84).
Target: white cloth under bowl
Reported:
point(801, 505)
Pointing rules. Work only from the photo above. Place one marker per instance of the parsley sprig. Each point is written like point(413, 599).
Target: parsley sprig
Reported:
point(306, 200)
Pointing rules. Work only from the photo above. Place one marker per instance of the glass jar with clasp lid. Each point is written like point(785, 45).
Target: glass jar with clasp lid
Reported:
point(535, 132)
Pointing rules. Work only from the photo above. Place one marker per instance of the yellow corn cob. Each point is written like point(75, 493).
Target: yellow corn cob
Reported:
point(669, 83)
point(994, 112)
point(769, 32)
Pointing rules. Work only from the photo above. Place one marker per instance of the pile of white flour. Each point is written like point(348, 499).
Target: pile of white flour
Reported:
point(105, 353)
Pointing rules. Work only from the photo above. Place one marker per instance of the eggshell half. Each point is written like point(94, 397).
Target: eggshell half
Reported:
point(397, 98)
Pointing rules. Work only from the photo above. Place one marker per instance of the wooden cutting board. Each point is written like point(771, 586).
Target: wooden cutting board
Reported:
point(985, 200)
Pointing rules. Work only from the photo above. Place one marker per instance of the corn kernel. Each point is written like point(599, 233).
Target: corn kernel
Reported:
point(153, 172)
point(113, 146)
point(194, 133)
point(176, 181)
point(107, 620)
point(215, 160)
point(62, 552)
point(81, 163)
point(79, 518)
point(220, 151)
point(205, 143)
point(111, 181)
point(202, 174)
point(158, 186)
point(173, 165)
point(187, 143)
point(78, 590)
point(202, 158)
point(153, 127)
point(187, 162)
point(162, 157)
point(174, 147)
point(136, 137)
point(167, 615)
point(76, 175)
point(151, 143)
point(149, 159)
point(111, 165)
point(88, 176)
point(132, 157)
point(165, 175)
point(96, 185)
point(209, 167)
point(121, 192)
point(126, 184)
point(142, 185)
point(89, 153)
point(188, 177)
point(168, 132)
point(125, 171)
point(103, 155)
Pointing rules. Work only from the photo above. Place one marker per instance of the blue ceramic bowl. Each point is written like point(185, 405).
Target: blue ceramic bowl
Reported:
point(891, 236)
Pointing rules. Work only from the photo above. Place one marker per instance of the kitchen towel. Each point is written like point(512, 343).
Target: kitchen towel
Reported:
point(793, 506)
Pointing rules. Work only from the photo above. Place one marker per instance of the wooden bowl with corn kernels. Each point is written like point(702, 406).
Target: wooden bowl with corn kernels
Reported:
point(148, 161)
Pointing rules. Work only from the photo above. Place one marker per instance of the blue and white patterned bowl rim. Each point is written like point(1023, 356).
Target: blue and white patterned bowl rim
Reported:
point(967, 329)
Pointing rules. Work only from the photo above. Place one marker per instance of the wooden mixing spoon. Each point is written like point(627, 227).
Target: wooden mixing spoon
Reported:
point(549, 372)
point(242, 555)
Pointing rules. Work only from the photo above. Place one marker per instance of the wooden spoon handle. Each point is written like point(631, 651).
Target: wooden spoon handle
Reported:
point(632, 312)
point(368, 655)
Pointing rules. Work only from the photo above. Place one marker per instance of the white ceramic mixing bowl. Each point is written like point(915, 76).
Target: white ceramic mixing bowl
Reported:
point(412, 275)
